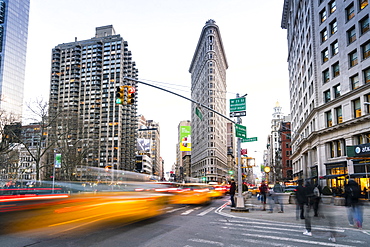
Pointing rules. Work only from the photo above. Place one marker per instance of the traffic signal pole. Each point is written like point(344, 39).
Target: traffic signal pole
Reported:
point(168, 91)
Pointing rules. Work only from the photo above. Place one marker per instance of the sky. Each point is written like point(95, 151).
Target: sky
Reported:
point(162, 36)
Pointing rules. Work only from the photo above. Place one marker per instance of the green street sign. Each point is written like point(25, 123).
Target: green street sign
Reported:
point(240, 131)
point(198, 113)
point(252, 139)
point(237, 104)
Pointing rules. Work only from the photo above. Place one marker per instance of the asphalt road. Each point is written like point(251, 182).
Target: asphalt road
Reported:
point(202, 226)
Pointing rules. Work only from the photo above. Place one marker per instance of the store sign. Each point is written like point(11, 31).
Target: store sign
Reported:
point(362, 149)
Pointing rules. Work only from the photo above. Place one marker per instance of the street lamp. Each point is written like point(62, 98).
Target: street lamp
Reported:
point(267, 170)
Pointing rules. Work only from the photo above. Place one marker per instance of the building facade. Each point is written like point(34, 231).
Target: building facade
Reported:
point(274, 145)
point(83, 112)
point(329, 83)
point(182, 170)
point(14, 16)
point(150, 131)
point(208, 87)
point(286, 150)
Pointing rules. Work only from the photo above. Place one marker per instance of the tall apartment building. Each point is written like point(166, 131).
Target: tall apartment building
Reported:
point(14, 16)
point(329, 83)
point(208, 87)
point(150, 131)
point(84, 77)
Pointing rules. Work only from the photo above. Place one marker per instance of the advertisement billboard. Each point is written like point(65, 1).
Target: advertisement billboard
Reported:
point(185, 138)
point(143, 145)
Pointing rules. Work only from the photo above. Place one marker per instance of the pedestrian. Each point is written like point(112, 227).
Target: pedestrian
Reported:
point(301, 199)
point(354, 208)
point(277, 196)
point(317, 198)
point(308, 190)
point(263, 193)
point(232, 192)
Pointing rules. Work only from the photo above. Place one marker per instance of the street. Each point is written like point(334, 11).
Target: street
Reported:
point(200, 226)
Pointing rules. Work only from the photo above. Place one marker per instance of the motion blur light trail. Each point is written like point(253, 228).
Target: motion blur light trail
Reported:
point(63, 206)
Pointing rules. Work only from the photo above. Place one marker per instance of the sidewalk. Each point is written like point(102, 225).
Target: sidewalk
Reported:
point(338, 214)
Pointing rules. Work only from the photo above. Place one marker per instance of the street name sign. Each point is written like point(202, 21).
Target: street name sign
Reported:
point(240, 131)
point(198, 112)
point(237, 105)
point(252, 139)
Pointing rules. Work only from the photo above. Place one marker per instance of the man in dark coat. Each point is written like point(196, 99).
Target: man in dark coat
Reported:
point(232, 192)
point(355, 213)
point(301, 198)
point(309, 195)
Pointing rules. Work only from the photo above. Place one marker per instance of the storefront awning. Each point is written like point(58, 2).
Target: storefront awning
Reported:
point(331, 176)
point(336, 164)
point(359, 175)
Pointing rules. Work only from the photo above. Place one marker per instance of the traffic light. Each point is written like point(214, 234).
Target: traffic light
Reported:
point(131, 95)
point(120, 94)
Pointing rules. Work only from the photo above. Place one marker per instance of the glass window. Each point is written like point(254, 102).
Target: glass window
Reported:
point(351, 33)
point(339, 148)
point(365, 50)
point(353, 58)
point(355, 83)
point(363, 3)
point(325, 76)
point(336, 91)
point(327, 96)
point(335, 68)
point(338, 115)
point(332, 150)
point(329, 121)
point(324, 35)
point(350, 12)
point(364, 25)
point(332, 6)
point(367, 75)
point(357, 108)
point(334, 48)
point(367, 106)
point(333, 27)
point(323, 15)
point(325, 55)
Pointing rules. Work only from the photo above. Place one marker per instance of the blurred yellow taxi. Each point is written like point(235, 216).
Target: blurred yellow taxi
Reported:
point(85, 210)
point(254, 190)
point(216, 191)
point(191, 193)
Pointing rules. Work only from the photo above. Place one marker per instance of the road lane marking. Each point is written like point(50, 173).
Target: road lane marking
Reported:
point(176, 209)
point(190, 210)
point(204, 241)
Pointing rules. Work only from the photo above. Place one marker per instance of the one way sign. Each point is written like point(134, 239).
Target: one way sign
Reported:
point(238, 114)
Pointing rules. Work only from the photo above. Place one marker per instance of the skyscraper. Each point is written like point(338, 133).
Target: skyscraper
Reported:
point(13, 45)
point(329, 83)
point(208, 87)
point(84, 77)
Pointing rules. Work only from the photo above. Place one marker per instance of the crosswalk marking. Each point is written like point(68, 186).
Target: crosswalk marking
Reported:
point(206, 211)
point(295, 240)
